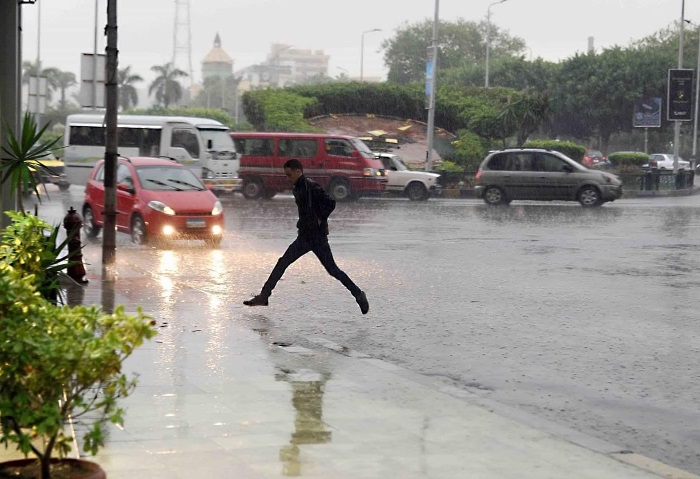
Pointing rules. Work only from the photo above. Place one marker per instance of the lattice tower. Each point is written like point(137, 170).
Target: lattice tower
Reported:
point(182, 38)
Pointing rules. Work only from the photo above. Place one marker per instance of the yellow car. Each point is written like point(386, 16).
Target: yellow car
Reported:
point(52, 173)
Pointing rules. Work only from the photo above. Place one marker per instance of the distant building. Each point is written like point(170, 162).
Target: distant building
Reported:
point(217, 63)
point(284, 66)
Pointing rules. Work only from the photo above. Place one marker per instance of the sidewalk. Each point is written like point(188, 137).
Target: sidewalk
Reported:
point(226, 402)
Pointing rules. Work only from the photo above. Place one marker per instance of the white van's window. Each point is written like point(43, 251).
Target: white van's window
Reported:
point(187, 139)
point(220, 139)
point(298, 148)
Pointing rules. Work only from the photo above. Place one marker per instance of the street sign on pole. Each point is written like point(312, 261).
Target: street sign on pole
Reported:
point(429, 75)
point(92, 90)
point(36, 102)
point(680, 94)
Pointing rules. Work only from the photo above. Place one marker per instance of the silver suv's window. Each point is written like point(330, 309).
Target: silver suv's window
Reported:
point(526, 161)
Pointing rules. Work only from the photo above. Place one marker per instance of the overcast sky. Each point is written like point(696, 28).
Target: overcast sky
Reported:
point(552, 29)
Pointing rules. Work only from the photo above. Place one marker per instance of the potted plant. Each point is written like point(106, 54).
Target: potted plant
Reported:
point(59, 364)
point(21, 159)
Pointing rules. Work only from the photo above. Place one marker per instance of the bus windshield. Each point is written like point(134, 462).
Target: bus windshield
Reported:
point(220, 139)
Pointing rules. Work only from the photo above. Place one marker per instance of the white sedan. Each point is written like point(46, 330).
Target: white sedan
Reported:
point(664, 161)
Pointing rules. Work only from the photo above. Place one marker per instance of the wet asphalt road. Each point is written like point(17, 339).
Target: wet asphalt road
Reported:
point(588, 318)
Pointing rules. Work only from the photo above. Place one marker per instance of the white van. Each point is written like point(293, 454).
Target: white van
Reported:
point(204, 145)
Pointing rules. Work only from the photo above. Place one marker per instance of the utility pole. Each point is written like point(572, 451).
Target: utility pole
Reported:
point(677, 123)
point(109, 236)
point(431, 75)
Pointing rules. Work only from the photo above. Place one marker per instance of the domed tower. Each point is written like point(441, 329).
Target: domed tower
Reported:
point(217, 63)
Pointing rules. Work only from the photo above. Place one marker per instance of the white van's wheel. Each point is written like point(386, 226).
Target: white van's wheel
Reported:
point(341, 190)
point(252, 188)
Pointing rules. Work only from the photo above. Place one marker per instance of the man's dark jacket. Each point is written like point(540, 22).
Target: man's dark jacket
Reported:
point(314, 204)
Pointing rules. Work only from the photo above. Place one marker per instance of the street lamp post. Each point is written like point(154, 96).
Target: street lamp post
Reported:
point(362, 51)
point(697, 95)
point(488, 39)
point(677, 126)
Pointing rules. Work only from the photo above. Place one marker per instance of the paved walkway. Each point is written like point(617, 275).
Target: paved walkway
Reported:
point(225, 402)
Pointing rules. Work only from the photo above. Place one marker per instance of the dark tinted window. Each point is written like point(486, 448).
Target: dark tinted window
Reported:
point(298, 148)
point(255, 146)
point(87, 135)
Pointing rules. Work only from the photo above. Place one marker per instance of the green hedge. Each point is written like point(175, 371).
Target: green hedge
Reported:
point(628, 159)
point(572, 150)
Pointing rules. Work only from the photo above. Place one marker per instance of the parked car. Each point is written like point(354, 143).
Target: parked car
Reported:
point(542, 175)
point(592, 158)
point(155, 198)
point(664, 161)
point(415, 185)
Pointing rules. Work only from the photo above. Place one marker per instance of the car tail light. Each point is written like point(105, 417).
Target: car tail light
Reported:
point(478, 175)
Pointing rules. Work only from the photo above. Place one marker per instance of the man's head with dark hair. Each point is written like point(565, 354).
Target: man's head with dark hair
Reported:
point(294, 165)
point(293, 170)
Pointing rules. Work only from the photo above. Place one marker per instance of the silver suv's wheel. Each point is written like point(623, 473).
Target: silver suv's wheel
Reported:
point(589, 197)
point(494, 196)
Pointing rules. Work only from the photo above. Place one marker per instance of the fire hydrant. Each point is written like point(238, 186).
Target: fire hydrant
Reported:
point(72, 223)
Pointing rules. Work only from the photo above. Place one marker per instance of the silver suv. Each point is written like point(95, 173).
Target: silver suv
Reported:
point(542, 175)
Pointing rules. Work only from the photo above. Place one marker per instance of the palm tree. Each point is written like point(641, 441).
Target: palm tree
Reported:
point(167, 89)
point(128, 95)
point(64, 80)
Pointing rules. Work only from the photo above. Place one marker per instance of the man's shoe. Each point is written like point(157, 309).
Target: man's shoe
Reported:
point(362, 301)
point(258, 300)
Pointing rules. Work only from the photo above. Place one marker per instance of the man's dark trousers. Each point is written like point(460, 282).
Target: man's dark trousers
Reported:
point(318, 243)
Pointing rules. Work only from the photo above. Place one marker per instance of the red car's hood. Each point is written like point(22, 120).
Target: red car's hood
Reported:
point(189, 201)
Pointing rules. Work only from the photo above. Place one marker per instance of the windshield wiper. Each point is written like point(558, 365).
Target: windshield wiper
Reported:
point(160, 183)
point(180, 182)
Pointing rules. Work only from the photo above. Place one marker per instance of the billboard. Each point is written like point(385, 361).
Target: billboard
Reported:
point(647, 113)
point(680, 95)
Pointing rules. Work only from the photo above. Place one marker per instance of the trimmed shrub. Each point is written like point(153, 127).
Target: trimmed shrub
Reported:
point(628, 159)
point(572, 150)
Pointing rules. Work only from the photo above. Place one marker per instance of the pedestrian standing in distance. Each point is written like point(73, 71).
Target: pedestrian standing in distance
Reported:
point(314, 205)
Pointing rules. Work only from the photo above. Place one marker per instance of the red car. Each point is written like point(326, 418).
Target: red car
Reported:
point(592, 158)
point(155, 198)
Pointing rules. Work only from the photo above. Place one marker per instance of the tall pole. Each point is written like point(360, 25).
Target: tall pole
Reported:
point(39, 92)
point(10, 89)
point(362, 52)
point(433, 85)
point(488, 40)
point(697, 96)
point(677, 125)
point(111, 150)
point(94, 62)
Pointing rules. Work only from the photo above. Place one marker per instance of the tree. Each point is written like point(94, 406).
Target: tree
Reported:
point(128, 96)
point(166, 87)
point(525, 115)
point(63, 81)
point(461, 43)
